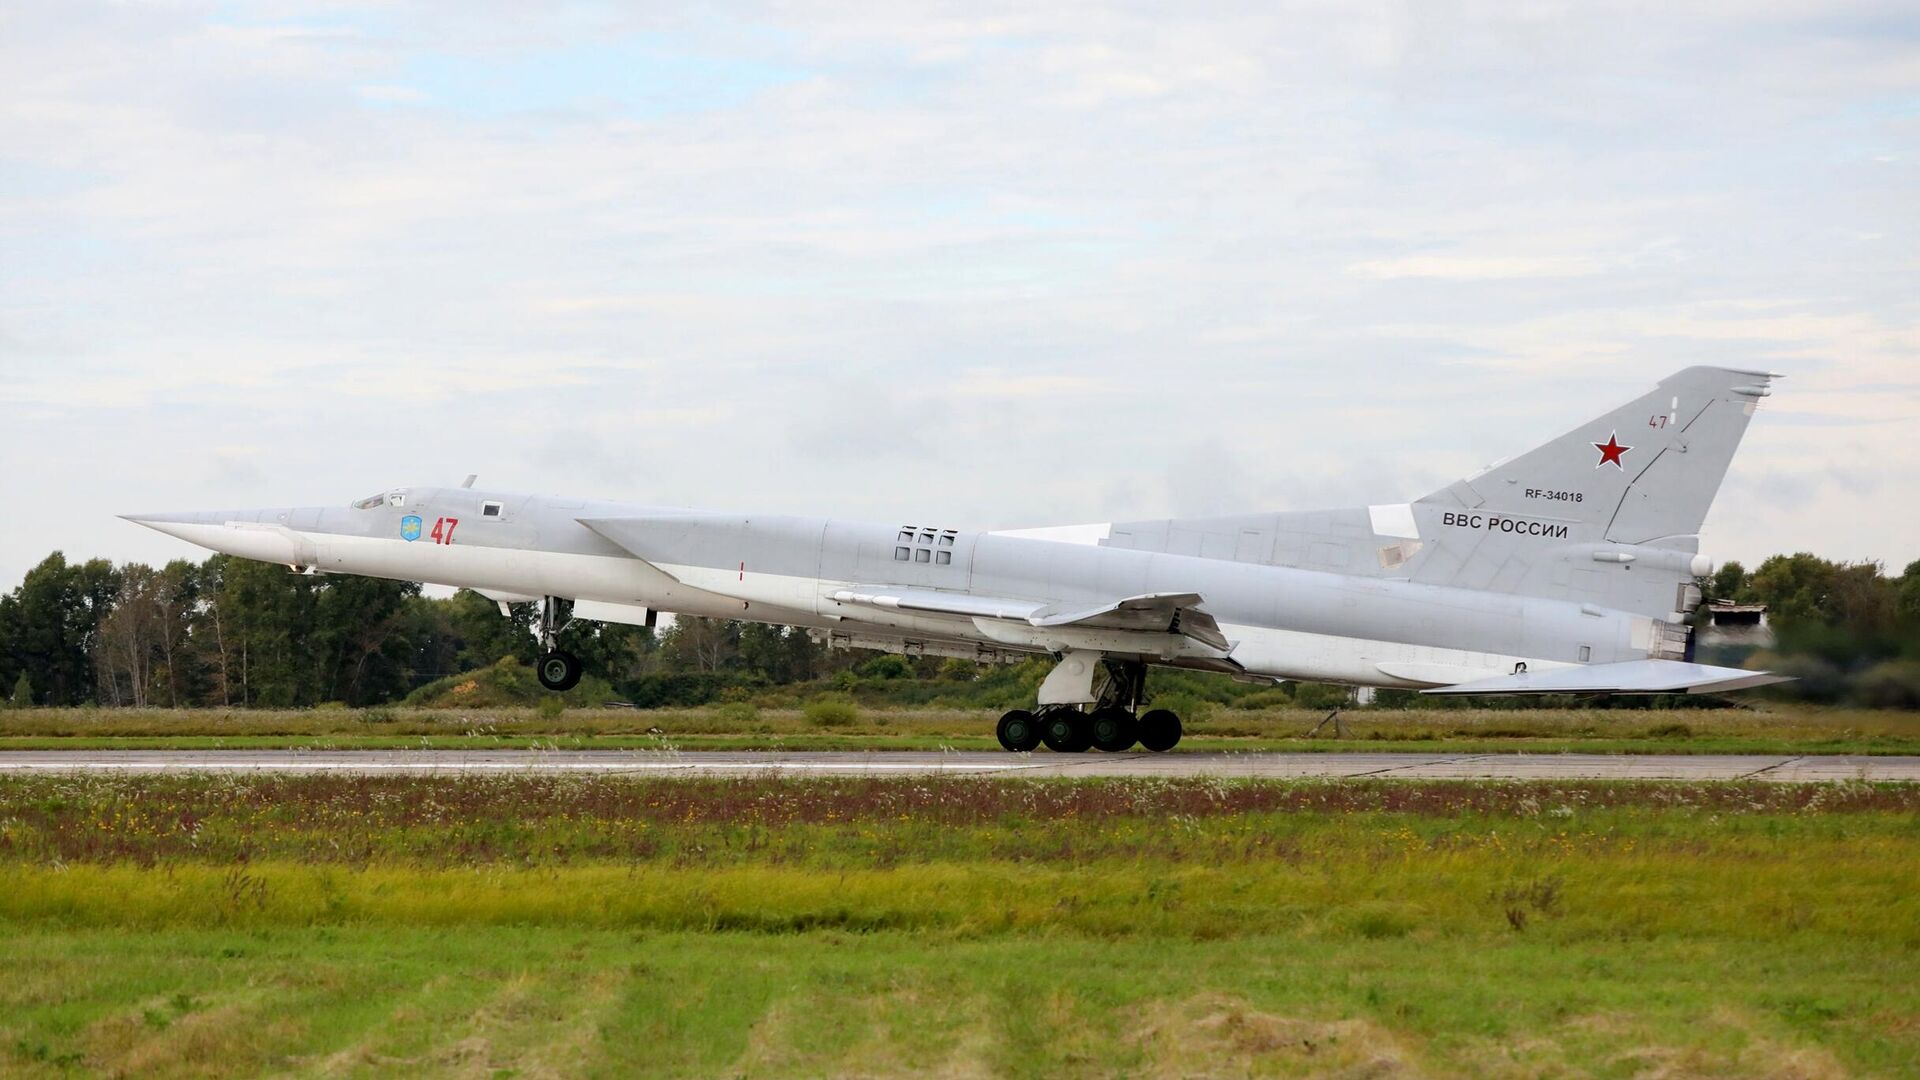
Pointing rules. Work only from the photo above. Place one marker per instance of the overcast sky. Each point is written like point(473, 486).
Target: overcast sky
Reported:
point(994, 265)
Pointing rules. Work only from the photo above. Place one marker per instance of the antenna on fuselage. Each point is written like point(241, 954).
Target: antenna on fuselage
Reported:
point(468, 482)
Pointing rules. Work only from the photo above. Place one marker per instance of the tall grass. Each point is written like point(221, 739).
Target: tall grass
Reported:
point(1802, 727)
point(1186, 858)
point(220, 926)
point(1863, 890)
point(466, 819)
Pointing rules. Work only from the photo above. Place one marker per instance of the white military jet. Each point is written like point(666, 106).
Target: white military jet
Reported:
point(1569, 570)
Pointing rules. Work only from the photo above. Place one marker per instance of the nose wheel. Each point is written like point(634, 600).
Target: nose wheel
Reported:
point(559, 671)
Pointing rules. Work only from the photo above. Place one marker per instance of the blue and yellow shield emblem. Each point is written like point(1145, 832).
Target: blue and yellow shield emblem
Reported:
point(410, 527)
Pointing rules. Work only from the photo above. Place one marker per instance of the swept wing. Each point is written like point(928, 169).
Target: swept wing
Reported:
point(1159, 613)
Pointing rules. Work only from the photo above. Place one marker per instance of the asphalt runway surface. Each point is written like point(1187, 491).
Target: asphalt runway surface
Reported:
point(1775, 767)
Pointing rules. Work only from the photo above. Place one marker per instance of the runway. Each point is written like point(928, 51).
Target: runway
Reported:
point(1778, 767)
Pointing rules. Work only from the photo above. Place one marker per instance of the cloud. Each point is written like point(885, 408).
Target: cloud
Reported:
point(1476, 267)
point(998, 264)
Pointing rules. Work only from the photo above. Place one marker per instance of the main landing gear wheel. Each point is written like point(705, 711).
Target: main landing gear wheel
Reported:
point(1159, 730)
point(1019, 731)
point(559, 671)
point(1065, 730)
point(1113, 729)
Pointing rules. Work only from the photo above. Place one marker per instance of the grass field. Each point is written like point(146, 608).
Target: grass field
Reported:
point(1766, 729)
point(330, 925)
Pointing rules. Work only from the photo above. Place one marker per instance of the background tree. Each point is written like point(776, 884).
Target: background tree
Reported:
point(56, 616)
point(1727, 583)
point(128, 640)
point(616, 652)
point(265, 615)
point(231, 632)
point(10, 665)
point(1796, 588)
point(701, 645)
point(1907, 597)
point(182, 667)
point(362, 653)
point(780, 654)
point(485, 635)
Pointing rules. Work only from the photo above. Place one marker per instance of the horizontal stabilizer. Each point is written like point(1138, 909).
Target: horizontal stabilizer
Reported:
point(1628, 677)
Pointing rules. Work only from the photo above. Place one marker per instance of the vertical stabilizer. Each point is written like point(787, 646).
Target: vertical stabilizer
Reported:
point(1641, 473)
point(1608, 513)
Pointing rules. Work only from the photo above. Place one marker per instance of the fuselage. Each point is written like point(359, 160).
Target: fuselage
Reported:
point(1281, 622)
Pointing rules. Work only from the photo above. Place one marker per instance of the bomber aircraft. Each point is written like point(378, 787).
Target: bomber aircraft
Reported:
point(1568, 569)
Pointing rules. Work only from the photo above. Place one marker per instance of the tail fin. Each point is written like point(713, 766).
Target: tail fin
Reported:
point(1642, 473)
point(1609, 512)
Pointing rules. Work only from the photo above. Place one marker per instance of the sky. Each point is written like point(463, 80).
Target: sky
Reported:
point(994, 265)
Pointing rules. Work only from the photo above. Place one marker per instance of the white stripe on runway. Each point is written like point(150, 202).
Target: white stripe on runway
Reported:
point(1766, 767)
point(495, 766)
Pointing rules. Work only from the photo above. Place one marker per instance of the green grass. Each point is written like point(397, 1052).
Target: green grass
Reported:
point(547, 1001)
point(889, 742)
point(316, 925)
point(1768, 729)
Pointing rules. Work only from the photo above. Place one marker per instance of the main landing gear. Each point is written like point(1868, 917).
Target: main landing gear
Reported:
point(558, 669)
point(1115, 723)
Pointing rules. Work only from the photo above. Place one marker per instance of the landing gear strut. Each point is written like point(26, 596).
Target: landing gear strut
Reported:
point(1115, 723)
point(558, 669)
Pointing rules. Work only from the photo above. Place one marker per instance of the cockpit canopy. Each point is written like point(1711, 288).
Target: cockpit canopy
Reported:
point(397, 497)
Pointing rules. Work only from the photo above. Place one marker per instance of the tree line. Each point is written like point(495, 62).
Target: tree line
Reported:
point(236, 633)
point(1847, 631)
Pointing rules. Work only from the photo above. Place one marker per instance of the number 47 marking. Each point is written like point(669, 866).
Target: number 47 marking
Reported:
point(443, 530)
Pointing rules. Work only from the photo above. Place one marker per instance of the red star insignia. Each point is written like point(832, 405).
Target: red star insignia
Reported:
point(1611, 452)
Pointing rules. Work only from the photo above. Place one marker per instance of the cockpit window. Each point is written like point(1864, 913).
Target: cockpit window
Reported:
point(385, 498)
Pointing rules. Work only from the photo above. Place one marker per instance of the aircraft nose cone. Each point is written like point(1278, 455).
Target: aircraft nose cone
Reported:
point(175, 518)
point(190, 525)
point(262, 535)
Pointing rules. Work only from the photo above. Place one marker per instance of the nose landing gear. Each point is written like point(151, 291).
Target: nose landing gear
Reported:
point(558, 669)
